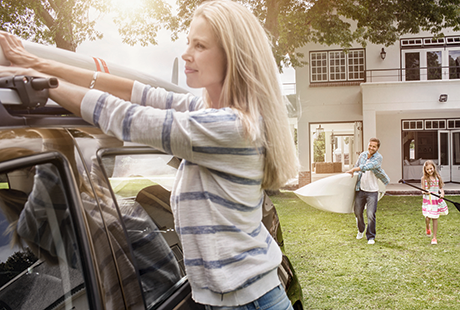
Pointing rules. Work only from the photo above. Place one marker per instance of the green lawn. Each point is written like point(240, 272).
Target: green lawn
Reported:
point(402, 270)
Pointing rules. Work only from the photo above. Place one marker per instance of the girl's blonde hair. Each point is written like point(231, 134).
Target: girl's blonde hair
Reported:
point(251, 86)
point(426, 176)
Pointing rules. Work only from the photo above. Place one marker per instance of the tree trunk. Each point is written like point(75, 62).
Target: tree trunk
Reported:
point(64, 44)
point(271, 22)
point(50, 22)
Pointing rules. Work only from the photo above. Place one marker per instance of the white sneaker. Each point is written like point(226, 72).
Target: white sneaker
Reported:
point(370, 241)
point(360, 235)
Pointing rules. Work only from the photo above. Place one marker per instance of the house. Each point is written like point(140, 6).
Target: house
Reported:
point(407, 95)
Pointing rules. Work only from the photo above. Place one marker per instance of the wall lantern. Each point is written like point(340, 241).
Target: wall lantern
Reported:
point(383, 54)
point(443, 98)
point(319, 130)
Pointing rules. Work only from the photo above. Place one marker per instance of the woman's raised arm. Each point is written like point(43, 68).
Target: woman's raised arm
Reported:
point(19, 57)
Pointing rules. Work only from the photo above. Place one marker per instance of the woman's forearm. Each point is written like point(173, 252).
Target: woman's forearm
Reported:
point(69, 96)
point(117, 86)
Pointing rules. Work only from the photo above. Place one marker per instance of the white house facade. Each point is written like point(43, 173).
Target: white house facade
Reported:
point(407, 95)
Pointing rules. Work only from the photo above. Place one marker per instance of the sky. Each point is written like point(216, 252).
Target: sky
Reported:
point(155, 59)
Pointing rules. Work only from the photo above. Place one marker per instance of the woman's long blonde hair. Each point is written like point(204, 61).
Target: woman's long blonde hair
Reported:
point(251, 86)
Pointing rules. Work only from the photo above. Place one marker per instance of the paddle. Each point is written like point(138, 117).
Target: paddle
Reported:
point(456, 204)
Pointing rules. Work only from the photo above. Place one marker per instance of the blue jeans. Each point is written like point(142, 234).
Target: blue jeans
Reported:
point(276, 299)
point(361, 199)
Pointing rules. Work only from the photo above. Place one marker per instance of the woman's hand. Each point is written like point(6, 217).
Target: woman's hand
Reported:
point(14, 51)
point(13, 71)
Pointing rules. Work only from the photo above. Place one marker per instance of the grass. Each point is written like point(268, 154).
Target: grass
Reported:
point(402, 270)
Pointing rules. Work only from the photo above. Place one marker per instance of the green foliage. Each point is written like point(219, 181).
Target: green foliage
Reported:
point(402, 270)
point(15, 264)
point(290, 23)
point(65, 23)
point(319, 148)
point(141, 24)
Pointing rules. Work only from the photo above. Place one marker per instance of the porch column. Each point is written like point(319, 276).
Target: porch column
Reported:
point(328, 146)
point(304, 143)
point(369, 127)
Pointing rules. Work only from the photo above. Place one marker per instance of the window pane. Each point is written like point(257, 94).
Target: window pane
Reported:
point(355, 65)
point(409, 145)
point(142, 184)
point(434, 63)
point(337, 65)
point(43, 269)
point(454, 64)
point(412, 66)
point(456, 148)
point(444, 146)
point(318, 67)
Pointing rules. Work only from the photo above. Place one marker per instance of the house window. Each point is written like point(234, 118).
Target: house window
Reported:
point(453, 124)
point(412, 66)
point(454, 65)
point(411, 42)
point(318, 63)
point(413, 125)
point(434, 64)
point(337, 66)
point(431, 59)
point(435, 124)
point(356, 65)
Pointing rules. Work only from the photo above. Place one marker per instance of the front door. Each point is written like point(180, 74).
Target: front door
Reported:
point(443, 156)
point(456, 156)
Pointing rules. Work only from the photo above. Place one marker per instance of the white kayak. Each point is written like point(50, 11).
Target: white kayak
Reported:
point(85, 62)
point(334, 194)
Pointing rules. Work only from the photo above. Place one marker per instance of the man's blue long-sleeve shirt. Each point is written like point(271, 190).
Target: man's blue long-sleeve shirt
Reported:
point(374, 164)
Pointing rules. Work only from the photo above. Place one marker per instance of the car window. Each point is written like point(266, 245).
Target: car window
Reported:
point(108, 260)
point(40, 262)
point(141, 184)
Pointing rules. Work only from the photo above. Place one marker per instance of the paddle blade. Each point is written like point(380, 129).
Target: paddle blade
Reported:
point(334, 194)
point(457, 205)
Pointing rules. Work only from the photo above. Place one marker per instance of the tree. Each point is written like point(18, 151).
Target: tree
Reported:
point(293, 23)
point(65, 23)
point(15, 264)
point(290, 23)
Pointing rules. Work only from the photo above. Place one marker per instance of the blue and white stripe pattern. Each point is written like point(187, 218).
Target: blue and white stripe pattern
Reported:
point(217, 199)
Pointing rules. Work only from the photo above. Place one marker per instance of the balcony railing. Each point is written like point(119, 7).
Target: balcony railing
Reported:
point(413, 74)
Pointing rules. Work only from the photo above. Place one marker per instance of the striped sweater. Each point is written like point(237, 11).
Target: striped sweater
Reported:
point(229, 255)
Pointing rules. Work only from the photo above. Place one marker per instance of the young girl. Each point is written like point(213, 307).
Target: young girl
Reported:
point(234, 141)
point(432, 206)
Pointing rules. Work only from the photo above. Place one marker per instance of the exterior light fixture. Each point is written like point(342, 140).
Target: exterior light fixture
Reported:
point(443, 98)
point(383, 54)
point(319, 130)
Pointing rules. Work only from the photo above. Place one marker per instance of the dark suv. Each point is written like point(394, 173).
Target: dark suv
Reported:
point(85, 218)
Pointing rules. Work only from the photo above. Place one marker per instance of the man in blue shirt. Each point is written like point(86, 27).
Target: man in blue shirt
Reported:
point(369, 168)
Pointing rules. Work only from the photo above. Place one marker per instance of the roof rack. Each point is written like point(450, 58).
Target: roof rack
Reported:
point(23, 100)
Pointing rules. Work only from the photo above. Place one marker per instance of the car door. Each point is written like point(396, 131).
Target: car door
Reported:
point(132, 186)
point(44, 250)
point(141, 179)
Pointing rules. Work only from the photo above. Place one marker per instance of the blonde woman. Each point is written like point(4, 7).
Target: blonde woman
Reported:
point(234, 142)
